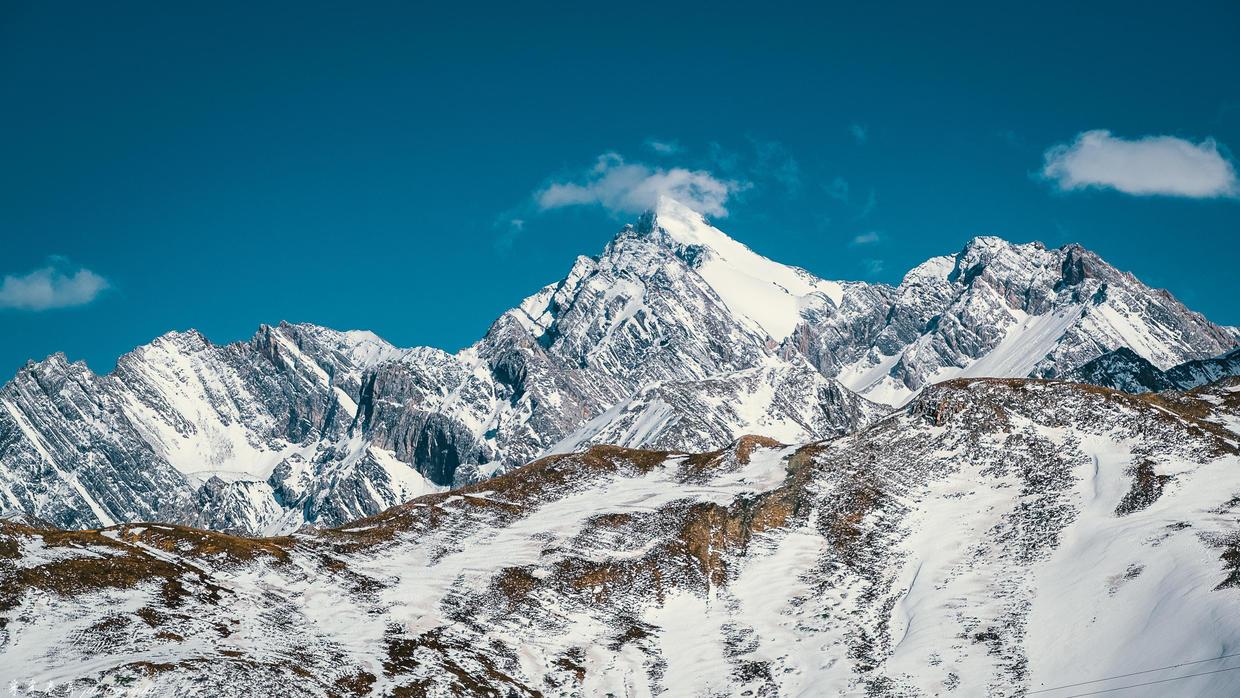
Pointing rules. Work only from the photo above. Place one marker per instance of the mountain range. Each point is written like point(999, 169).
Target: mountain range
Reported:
point(684, 469)
point(675, 337)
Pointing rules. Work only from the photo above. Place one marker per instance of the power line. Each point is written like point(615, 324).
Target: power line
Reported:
point(1135, 673)
point(1151, 683)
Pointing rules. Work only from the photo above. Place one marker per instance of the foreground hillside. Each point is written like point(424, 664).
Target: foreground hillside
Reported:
point(991, 537)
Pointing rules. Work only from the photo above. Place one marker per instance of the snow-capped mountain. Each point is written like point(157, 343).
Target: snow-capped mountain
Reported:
point(982, 540)
point(999, 309)
point(305, 424)
point(676, 336)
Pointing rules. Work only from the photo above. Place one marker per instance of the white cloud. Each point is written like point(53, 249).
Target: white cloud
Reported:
point(52, 286)
point(1153, 165)
point(860, 133)
point(623, 187)
point(873, 266)
point(867, 238)
point(663, 147)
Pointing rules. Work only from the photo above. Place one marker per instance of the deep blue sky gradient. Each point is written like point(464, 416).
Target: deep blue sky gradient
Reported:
point(354, 164)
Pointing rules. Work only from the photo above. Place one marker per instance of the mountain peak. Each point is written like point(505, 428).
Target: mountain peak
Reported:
point(766, 294)
point(989, 247)
point(675, 224)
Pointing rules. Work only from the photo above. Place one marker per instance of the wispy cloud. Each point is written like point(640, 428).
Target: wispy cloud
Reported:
point(873, 267)
point(724, 160)
point(840, 190)
point(867, 238)
point(860, 133)
point(56, 285)
point(663, 147)
point(1149, 166)
point(837, 189)
point(774, 162)
point(624, 187)
point(509, 229)
point(871, 202)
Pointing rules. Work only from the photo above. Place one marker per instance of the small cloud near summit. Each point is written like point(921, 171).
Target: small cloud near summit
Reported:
point(56, 285)
point(1148, 166)
point(630, 187)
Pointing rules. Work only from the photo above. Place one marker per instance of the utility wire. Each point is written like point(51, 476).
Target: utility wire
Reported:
point(1151, 683)
point(1135, 673)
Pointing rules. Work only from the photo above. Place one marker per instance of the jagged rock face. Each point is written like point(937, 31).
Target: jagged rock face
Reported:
point(978, 542)
point(184, 430)
point(785, 400)
point(65, 438)
point(676, 336)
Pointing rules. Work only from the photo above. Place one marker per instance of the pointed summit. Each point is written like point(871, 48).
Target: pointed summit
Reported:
point(672, 222)
point(765, 293)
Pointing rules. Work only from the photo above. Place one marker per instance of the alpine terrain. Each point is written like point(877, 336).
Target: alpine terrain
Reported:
point(675, 337)
point(682, 470)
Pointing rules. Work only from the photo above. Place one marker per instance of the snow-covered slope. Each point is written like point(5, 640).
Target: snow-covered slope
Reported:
point(981, 541)
point(1122, 369)
point(1191, 374)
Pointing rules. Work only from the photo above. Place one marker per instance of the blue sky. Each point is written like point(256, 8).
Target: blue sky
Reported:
point(175, 165)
